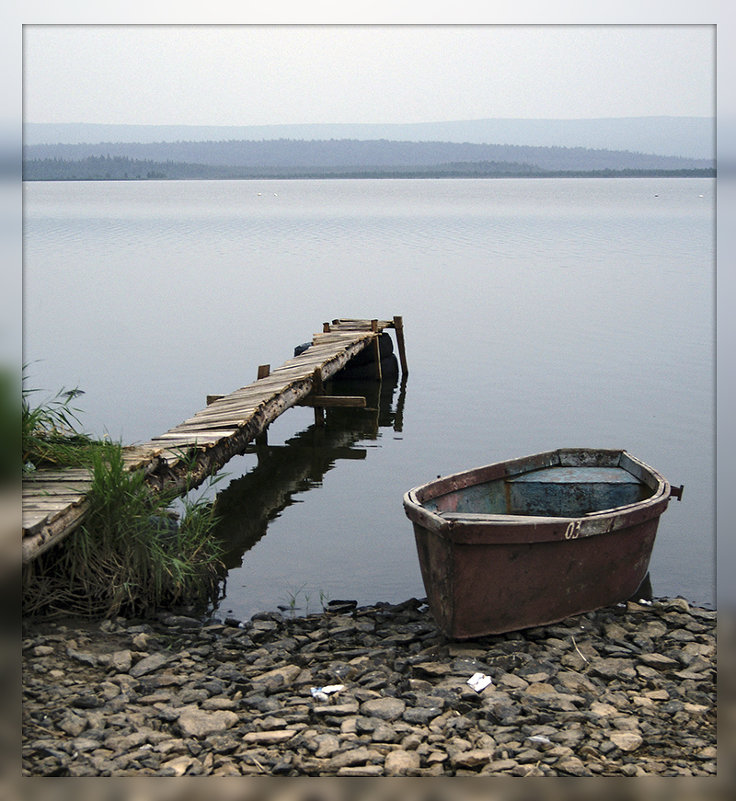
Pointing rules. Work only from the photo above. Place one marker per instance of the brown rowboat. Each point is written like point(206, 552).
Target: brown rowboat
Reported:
point(534, 540)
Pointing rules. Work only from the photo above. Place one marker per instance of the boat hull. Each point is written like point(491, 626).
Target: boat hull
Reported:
point(490, 572)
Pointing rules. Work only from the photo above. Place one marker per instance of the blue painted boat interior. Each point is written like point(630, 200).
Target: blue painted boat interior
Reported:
point(550, 492)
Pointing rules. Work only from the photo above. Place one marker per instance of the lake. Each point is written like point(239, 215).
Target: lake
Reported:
point(538, 313)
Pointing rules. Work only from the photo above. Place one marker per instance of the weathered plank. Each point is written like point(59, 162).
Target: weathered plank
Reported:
point(198, 435)
point(215, 424)
point(232, 407)
point(195, 438)
point(41, 534)
point(50, 507)
point(55, 488)
point(72, 474)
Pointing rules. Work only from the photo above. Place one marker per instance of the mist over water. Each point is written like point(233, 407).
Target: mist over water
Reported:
point(538, 313)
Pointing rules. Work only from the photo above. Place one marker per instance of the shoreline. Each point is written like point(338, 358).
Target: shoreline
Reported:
point(628, 690)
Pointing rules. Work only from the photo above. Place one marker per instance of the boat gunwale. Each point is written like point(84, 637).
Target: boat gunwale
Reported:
point(504, 529)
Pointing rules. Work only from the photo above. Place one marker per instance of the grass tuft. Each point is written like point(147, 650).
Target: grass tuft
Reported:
point(50, 437)
point(132, 554)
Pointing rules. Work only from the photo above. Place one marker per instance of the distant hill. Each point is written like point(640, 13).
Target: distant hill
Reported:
point(106, 168)
point(314, 158)
point(121, 168)
point(687, 137)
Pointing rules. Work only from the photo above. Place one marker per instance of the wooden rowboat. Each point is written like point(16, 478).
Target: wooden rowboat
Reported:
point(531, 541)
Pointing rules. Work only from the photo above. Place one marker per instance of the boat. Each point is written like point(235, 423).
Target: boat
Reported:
point(531, 541)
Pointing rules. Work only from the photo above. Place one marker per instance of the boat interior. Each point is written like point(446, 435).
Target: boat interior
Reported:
point(549, 492)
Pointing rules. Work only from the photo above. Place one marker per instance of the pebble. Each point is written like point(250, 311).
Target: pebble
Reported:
point(624, 691)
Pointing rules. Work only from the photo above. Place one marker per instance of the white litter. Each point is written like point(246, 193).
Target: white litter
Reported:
point(322, 693)
point(332, 688)
point(479, 681)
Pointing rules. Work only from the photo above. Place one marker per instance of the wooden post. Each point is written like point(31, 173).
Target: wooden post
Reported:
point(325, 328)
point(376, 349)
point(264, 370)
point(318, 388)
point(399, 328)
point(377, 353)
point(261, 443)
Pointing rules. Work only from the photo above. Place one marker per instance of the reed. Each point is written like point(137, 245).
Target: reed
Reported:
point(132, 554)
point(50, 435)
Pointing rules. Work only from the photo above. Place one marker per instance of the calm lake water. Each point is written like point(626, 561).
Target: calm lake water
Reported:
point(539, 313)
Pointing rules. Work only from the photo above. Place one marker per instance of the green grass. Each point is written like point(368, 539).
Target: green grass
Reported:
point(50, 435)
point(293, 600)
point(130, 556)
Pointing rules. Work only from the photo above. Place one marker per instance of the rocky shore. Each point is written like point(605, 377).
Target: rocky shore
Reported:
point(628, 690)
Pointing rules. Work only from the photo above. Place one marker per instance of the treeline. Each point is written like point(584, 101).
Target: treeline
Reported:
point(121, 168)
point(104, 168)
point(107, 168)
point(355, 154)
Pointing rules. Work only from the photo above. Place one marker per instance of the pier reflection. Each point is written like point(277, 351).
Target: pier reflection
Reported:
point(251, 502)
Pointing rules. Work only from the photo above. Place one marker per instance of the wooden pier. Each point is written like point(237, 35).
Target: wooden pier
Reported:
point(55, 501)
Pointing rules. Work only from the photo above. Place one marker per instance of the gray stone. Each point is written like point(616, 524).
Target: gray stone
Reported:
point(513, 681)
point(326, 745)
point(626, 740)
point(345, 708)
point(401, 763)
point(678, 604)
point(609, 668)
point(434, 669)
point(219, 702)
point(199, 723)
point(575, 682)
point(473, 758)
point(178, 766)
point(148, 664)
point(385, 708)
point(384, 733)
point(73, 724)
point(354, 756)
point(658, 661)
point(85, 744)
point(499, 766)
point(82, 656)
point(270, 737)
point(284, 674)
point(122, 660)
point(361, 770)
point(421, 714)
point(127, 742)
point(574, 766)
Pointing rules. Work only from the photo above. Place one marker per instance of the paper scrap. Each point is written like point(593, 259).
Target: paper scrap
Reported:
point(323, 693)
point(479, 681)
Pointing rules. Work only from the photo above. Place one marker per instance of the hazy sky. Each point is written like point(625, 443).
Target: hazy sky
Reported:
point(260, 75)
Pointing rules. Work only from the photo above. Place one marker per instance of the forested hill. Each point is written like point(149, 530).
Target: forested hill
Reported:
point(692, 137)
point(314, 158)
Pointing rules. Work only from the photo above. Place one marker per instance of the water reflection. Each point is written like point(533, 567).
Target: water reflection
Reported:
point(251, 502)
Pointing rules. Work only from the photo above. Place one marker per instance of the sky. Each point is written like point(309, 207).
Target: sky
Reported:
point(276, 74)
